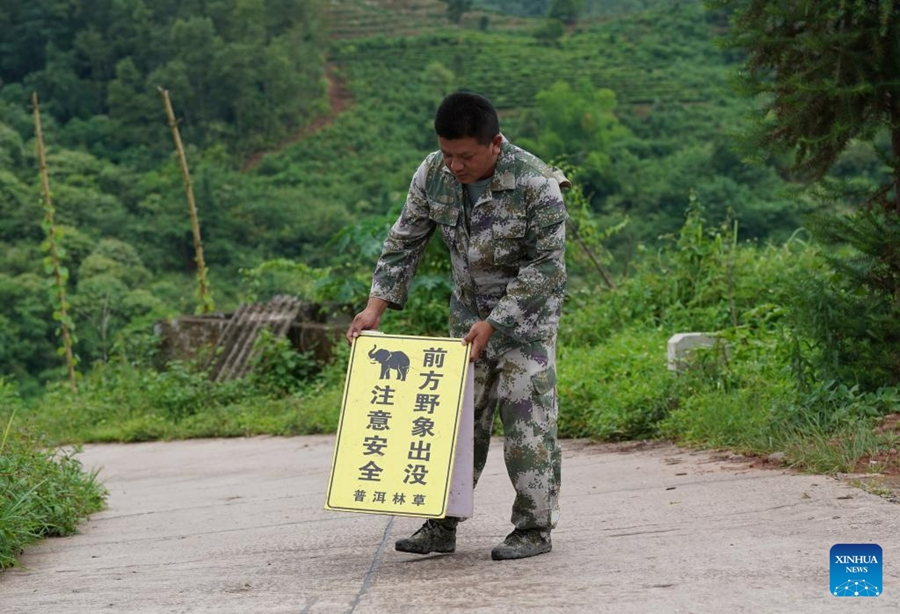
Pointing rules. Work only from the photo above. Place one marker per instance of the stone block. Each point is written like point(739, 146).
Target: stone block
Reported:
point(682, 346)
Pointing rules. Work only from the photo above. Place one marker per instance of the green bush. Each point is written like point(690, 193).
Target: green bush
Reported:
point(767, 393)
point(701, 280)
point(737, 400)
point(853, 329)
point(618, 390)
point(278, 368)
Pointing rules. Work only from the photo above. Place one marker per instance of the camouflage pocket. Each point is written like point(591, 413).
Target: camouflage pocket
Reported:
point(544, 381)
point(552, 233)
point(444, 213)
point(552, 241)
point(508, 240)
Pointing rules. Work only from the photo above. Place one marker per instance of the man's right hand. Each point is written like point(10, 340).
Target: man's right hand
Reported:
point(367, 319)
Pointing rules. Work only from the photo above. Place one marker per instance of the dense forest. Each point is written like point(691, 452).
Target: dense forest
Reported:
point(303, 122)
point(293, 134)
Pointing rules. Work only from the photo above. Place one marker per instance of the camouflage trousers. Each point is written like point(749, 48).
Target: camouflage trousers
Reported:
point(521, 384)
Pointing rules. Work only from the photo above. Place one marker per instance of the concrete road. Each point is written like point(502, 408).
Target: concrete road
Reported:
point(238, 526)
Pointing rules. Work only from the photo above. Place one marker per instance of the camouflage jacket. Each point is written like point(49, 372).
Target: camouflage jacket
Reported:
point(508, 262)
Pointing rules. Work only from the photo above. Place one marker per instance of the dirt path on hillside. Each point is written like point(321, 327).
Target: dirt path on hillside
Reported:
point(339, 99)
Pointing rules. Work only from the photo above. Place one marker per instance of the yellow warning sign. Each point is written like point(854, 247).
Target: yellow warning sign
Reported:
point(396, 439)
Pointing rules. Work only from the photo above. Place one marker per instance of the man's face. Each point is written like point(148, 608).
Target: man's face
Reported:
point(468, 160)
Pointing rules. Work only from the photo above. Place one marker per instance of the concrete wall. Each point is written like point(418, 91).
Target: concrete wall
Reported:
point(190, 338)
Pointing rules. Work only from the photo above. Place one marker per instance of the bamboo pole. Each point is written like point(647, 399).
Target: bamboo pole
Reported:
point(58, 276)
point(206, 301)
point(590, 254)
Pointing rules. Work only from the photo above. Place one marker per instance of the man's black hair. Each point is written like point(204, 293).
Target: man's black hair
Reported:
point(465, 114)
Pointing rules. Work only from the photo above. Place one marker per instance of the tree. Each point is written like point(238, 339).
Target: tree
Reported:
point(130, 103)
point(567, 11)
point(829, 72)
point(27, 343)
point(19, 211)
point(111, 295)
point(457, 8)
point(28, 28)
point(67, 95)
point(550, 32)
point(577, 124)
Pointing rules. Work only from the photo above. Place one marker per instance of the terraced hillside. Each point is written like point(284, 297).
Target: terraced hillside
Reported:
point(671, 85)
point(646, 57)
point(354, 19)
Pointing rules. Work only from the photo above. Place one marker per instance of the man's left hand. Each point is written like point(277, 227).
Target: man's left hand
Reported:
point(478, 336)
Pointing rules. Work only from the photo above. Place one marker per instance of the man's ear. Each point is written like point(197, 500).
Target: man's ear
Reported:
point(496, 144)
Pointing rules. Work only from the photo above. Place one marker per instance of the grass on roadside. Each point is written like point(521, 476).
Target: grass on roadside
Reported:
point(118, 402)
point(42, 492)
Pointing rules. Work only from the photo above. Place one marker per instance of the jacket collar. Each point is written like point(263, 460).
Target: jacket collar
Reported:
point(505, 172)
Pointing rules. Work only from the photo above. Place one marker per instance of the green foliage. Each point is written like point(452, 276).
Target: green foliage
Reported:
point(344, 287)
point(42, 492)
point(244, 72)
point(28, 347)
point(112, 298)
point(827, 72)
point(278, 368)
point(635, 104)
point(307, 203)
point(850, 314)
point(19, 209)
point(567, 11)
point(591, 258)
point(613, 380)
point(457, 8)
point(758, 396)
point(593, 401)
point(57, 277)
point(829, 451)
point(588, 8)
point(702, 279)
point(127, 400)
point(827, 69)
point(549, 32)
point(574, 122)
point(745, 418)
point(671, 121)
point(281, 276)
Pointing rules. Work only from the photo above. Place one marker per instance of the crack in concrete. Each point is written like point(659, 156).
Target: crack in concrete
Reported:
point(374, 567)
point(679, 483)
point(642, 533)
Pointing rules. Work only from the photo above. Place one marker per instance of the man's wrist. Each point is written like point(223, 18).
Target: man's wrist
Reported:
point(377, 305)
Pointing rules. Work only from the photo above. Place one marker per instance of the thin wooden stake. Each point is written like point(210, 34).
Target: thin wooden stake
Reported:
point(600, 268)
point(206, 301)
point(51, 242)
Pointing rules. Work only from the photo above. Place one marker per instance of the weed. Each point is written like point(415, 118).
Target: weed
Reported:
point(43, 492)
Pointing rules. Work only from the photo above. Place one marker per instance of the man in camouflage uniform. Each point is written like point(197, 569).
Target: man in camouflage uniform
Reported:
point(501, 214)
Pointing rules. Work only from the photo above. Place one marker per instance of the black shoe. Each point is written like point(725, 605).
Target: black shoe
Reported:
point(522, 543)
point(434, 536)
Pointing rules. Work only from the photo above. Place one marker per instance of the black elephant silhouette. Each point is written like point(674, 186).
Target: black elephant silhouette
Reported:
point(398, 361)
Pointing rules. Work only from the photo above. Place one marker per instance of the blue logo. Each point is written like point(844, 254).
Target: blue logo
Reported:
point(856, 570)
